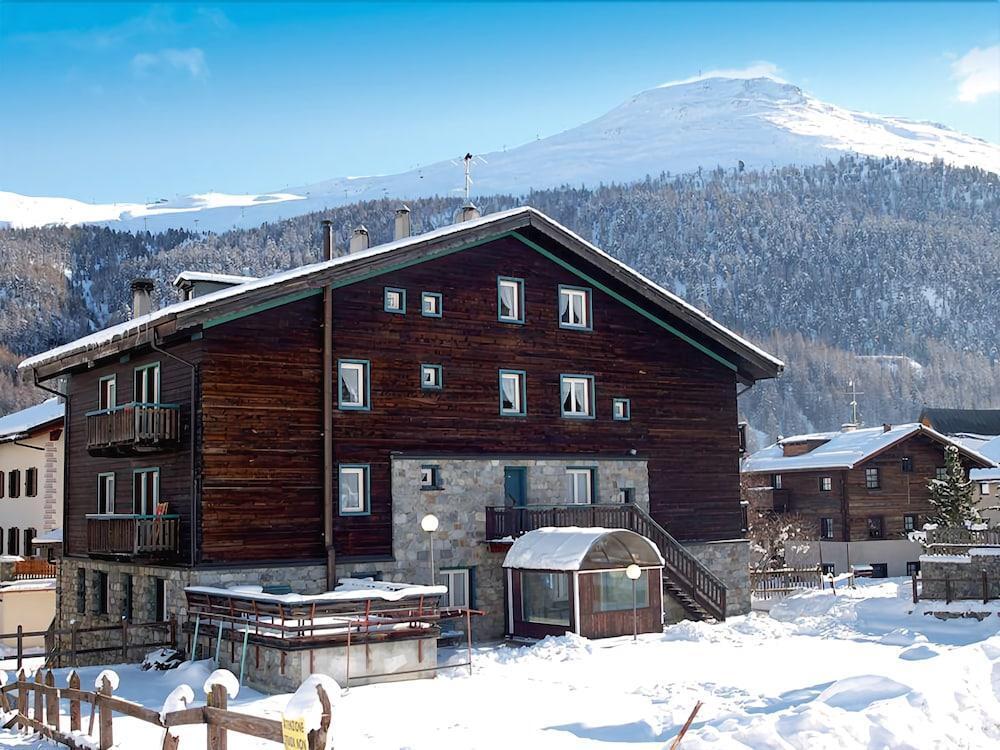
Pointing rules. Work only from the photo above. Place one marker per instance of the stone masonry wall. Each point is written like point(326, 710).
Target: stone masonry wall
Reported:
point(965, 579)
point(730, 561)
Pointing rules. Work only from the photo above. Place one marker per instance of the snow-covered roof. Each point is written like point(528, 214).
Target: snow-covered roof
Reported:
point(348, 590)
point(22, 423)
point(574, 548)
point(989, 446)
point(55, 536)
point(36, 584)
point(844, 450)
point(765, 365)
point(217, 278)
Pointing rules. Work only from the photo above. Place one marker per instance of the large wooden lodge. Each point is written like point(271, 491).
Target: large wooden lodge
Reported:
point(500, 373)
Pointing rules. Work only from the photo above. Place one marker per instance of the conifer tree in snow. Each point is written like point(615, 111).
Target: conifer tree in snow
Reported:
point(952, 496)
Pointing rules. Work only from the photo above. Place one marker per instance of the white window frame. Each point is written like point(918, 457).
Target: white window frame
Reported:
point(572, 472)
point(572, 293)
point(463, 578)
point(826, 484)
point(361, 471)
point(107, 385)
point(430, 477)
point(517, 309)
point(571, 381)
point(362, 367)
point(144, 398)
point(143, 504)
point(984, 488)
point(106, 482)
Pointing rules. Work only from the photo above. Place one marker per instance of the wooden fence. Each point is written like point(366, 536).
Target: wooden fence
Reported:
point(63, 646)
point(42, 713)
point(771, 584)
point(34, 568)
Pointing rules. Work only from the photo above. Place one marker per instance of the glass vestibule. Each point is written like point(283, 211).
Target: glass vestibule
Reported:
point(545, 598)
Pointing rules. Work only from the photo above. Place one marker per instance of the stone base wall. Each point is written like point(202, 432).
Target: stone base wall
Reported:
point(730, 561)
point(964, 579)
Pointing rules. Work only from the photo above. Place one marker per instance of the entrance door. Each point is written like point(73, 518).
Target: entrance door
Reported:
point(515, 486)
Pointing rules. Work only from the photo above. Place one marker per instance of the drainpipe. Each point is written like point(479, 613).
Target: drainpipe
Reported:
point(327, 330)
point(194, 494)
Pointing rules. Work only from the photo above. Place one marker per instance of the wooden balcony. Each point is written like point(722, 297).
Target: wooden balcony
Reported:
point(133, 428)
point(133, 536)
point(509, 522)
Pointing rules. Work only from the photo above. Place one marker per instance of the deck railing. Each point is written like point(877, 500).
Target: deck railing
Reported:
point(133, 535)
point(956, 537)
point(133, 428)
point(33, 568)
point(682, 569)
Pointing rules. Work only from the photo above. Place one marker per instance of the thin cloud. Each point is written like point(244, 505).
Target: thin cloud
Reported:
point(977, 73)
point(759, 69)
point(190, 61)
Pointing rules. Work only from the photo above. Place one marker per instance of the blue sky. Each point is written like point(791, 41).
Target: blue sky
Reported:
point(135, 101)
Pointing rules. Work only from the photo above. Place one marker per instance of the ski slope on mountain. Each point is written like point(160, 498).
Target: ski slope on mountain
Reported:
point(678, 128)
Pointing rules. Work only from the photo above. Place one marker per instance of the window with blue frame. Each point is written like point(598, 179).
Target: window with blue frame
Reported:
point(513, 399)
point(574, 307)
point(621, 409)
point(577, 396)
point(510, 299)
point(394, 300)
point(431, 377)
point(430, 304)
point(353, 384)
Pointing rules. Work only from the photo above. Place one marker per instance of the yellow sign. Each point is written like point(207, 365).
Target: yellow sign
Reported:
point(293, 732)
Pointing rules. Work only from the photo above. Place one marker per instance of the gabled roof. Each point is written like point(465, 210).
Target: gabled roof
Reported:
point(22, 423)
point(845, 450)
point(962, 421)
point(750, 362)
point(217, 278)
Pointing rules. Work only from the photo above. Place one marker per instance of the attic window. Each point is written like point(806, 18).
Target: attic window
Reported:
point(394, 300)
point(430, 304)
point(907, 465)
point(574, 307)
point(825, 484)
point(872, 478)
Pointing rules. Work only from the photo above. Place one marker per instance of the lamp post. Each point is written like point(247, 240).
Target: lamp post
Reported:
point(633, 572)
point(429, 523)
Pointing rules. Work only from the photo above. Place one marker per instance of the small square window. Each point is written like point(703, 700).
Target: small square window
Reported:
point(826, 528)
point(459, 583)
point(394, 300)
point(353, 490)
point(941, 473)
point(577, 394)
point(909, 523)
point(626, 495)
point(984, 488)
point(512, 393)
point(353, 384)
point(872, 480)
point(621, 409)
point(430, 477)
point(825, 484)
point(510, 300)
point(430, 305)
point(430, 377)
point(574, 307)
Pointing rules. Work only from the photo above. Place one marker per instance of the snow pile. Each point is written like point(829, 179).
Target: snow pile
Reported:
point(567, 547)
point(111, 676)
point(305, 703)
point(226, 679)
point(179, 699)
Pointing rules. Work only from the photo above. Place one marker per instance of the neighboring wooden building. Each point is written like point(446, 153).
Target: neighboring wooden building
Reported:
point(295, 428)
point(860, 490)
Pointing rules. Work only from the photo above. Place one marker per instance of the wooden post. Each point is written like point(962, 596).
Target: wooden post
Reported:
point(318, 736)
point(39, 697)
point(104, 716)
point(22, 698)
point(51, 702)
point(217, 735)
point(986, 588)
point(170, 740)
point(20, 646)
point(74, 703)
point(947, 590)
point(916, 596)
point(73, 642)
point(173, 632)
point(124, 640)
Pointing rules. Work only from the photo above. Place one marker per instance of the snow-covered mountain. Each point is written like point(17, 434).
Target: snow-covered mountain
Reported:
point(672, 128)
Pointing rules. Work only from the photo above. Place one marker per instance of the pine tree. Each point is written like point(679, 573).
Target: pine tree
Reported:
point(952, 496)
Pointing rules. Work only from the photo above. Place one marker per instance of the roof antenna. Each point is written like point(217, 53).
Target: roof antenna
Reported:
point(853, 392)
point(468, 210)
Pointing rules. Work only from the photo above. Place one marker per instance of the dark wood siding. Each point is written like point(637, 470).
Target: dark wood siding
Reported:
point(593, 624)
point(175, 465)
point(262, 493)
point(683, 402)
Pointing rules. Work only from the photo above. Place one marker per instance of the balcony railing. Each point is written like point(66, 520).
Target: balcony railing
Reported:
point(121, 535)
point(510, 522)
point(133, 428)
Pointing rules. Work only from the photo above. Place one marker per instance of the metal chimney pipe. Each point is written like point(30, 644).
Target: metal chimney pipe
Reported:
point(326, 227)
point(359, 239)
point(142, 297)
point(467, 212)
point(402, 226)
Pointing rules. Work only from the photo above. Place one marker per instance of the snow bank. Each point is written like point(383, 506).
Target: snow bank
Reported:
point(226, 679)
point(961, 559)
point(180, 698)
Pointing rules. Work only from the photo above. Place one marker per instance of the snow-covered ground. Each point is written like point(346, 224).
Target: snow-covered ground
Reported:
point(858, 670)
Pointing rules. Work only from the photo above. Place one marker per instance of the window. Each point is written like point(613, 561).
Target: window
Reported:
point(147, 384)
point(100, 592)
point(107, 396)
point(430, 377)
point(913, 568)
point(826, 528)
point(545, 598)
point(459, 583)
point(626, 494)
point(984, 488)
point(430, 477)
point(579, 486)
point(872, 481)
point(513, 401)
point(14, 483)
point(880, 570)
point(828, 569)
point(394, 300)
point(909, 523)
point(876, 527)
point(159, 600)
point(907, 465)
point(29, 539)
point(941, 473)
point(353, 384)
point(574, 307)
point(353, 490)
point(614, 591)
point(13, 541)
point(776, 481)
point(31, 482)
point(741, 433)
point(81, 590)
point(510, 300)
point(430, 304)
point(145, 491)
point(3, 484)
point(825, 484)
point(106, 493)
point(621, 409)
point(127, 596)
point(1, 539)
point(577, 394)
